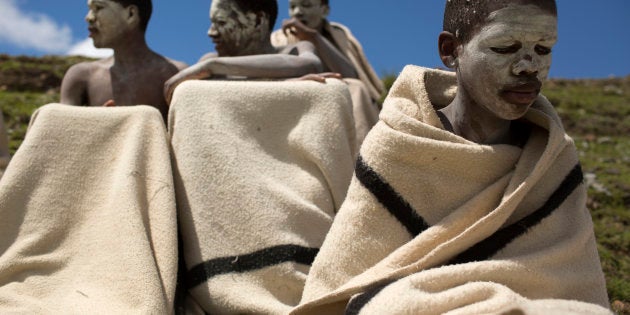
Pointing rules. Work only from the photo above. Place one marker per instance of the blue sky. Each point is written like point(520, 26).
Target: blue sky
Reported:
point(593, 35)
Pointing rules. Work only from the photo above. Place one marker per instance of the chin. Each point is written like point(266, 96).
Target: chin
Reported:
point(516, 113)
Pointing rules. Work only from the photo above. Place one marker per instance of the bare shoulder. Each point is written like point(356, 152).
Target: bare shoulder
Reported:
point(83, 71)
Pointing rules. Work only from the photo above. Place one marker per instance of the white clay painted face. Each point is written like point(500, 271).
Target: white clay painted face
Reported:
point(503, 66)
point(310, 12)
point(106, 22)
point(234, 32)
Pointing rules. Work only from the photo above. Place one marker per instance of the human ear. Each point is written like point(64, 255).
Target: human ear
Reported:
point(133, 15)
point(325, 11)
point(447, 47)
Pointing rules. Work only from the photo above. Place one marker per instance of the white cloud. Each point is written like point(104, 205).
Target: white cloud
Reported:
point(32, 30)
point(86, 48)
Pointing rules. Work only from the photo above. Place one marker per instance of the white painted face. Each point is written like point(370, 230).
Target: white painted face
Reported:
point(310, 12)
point(107, 22)
point(504, 65)
point(234, 32)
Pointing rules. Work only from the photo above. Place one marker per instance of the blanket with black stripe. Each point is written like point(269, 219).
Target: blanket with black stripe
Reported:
point(260, 170)
point(434, 223)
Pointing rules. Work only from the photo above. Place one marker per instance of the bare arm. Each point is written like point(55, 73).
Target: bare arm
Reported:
point(74, 85)
point(273, 66)
point(335, 60)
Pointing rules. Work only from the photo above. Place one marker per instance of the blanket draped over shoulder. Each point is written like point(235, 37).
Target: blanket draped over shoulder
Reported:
point(433, 223)
point(364, 96)
point(88, 215)
point(260, 170)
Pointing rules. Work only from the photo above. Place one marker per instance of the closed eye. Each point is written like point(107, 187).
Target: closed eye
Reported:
point(542, 50)
point(506, 50)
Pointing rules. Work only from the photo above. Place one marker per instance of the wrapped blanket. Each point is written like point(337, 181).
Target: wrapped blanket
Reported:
point(260, 170)
point(88, 215)
point(433, 223)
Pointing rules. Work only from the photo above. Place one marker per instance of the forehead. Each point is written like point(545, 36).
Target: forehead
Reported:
point(100, 2)
point(305, 2)
point(528, 22)
point(222, 7)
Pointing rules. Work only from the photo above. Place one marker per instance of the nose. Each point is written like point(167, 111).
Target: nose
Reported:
point(526, 65)
point(212, 31)
point(89, 17)
point(296, 11)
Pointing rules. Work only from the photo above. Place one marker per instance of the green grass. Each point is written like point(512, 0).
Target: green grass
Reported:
point(17, 108)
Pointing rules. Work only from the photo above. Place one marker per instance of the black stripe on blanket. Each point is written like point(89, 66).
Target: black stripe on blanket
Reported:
point(358, 303)
point(493, 244)
point(389, 198)
point(257, 260)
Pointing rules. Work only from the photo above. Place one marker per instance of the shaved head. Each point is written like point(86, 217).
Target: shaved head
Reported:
point(463, 18)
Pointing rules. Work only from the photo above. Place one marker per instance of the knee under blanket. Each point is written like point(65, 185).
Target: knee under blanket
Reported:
point(88, 215)
point(260, 170)
point(433, 223)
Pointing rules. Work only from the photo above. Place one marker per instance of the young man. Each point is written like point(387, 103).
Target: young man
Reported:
point(134, 75)
point(338, 49)
point(468, 195)
point(240, 32)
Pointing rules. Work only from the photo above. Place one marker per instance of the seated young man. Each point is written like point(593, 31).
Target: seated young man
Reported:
point(338, 49)
point(240, 32)
point(134, 75)
point(468, 195)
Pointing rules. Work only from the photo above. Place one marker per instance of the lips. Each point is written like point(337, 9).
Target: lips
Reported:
point(92, 30)
point(522, 93)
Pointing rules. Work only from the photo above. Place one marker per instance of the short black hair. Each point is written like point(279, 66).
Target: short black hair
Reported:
point(269, 7)
point(463, 18)
point(145, 8)
point(325, 2)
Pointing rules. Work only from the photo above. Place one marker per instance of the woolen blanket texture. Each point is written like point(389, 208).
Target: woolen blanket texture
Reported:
point(260, 170)
point(434, 224)
point(88, 215)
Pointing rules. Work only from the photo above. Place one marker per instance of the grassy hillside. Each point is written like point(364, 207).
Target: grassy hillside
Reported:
point(595, 112)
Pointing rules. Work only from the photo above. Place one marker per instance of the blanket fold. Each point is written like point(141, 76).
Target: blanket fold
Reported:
point(89, 219)
point(261, 169)
point(433, 223)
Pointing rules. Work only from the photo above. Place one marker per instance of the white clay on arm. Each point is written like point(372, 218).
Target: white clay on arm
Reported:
point(268, 65)
point(333, 58)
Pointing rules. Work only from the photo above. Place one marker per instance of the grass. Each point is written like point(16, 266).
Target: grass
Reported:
point(595, 112)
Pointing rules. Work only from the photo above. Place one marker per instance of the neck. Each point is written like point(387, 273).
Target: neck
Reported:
point(131, 51)
point(474, 123)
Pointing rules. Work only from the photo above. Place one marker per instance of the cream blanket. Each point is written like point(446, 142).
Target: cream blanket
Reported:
point(350, 47)
point(260, 170)
point(433, 223)
point(88, 215)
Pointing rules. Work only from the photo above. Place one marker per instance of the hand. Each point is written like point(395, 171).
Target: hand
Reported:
point(318, 77)
point(109, 103)
point(299, 30)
